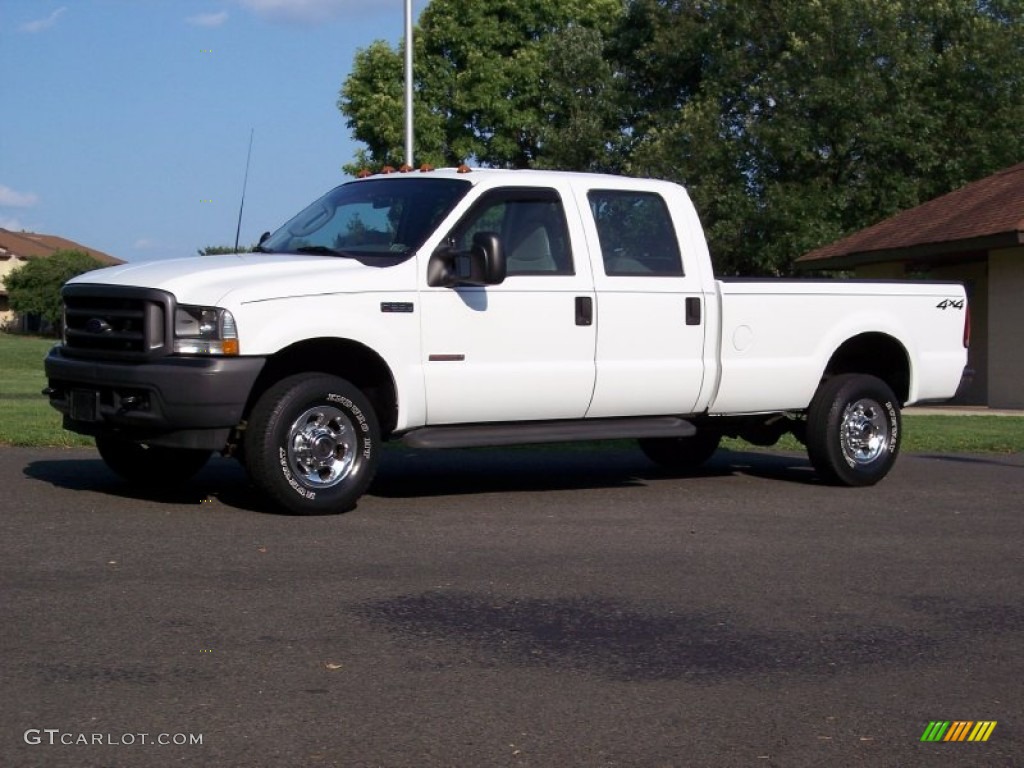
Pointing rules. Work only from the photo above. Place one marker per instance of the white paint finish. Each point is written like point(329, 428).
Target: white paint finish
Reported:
point(214, 280)
point(742, 338)
point(799, 325)
point(649, 361)
point(525, 357)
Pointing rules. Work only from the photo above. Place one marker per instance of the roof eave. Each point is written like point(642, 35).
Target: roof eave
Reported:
point(921, 252)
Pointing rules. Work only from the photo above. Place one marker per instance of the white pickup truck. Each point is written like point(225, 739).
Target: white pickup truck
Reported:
point(462, 307)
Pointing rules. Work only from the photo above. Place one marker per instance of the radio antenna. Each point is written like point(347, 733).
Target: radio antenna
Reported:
point(245, 183)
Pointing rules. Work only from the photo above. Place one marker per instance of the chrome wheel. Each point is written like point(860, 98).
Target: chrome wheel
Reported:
point(322, 445)
point(864, 432)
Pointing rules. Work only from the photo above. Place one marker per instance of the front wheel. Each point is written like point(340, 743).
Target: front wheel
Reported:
point(154, 466)
point(854, 430)
point(312, 444)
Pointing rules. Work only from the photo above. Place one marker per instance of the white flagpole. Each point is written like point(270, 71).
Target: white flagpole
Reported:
point(408, 84)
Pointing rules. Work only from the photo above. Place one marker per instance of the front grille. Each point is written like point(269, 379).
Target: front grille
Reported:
point(116, 322)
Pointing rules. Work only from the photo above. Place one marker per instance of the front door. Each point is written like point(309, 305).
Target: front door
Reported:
point(524, 349)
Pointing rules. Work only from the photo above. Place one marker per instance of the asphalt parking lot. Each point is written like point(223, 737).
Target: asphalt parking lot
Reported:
point(514, 608)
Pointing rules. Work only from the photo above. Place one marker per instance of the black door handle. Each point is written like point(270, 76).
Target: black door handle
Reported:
point(693, 310)
point(584, 310)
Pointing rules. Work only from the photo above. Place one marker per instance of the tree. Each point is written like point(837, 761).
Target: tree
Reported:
point(485, 87)
point(34, 288)
point(791, 123)
point(795, 123)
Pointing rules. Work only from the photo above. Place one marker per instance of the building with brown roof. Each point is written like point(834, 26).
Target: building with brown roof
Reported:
point(17, 248)
point(974, 235)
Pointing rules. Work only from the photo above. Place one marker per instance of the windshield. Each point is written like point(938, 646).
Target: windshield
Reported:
point(379, 217)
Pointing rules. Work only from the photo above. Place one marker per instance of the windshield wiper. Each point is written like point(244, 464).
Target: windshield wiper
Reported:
point(319, 250)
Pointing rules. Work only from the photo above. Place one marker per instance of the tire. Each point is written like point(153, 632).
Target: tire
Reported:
point(854, 429)
point(150, 465)
point(681, 454)
point(312, 444)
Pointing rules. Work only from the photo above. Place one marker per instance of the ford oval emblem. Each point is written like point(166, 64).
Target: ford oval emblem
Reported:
point(98, 325)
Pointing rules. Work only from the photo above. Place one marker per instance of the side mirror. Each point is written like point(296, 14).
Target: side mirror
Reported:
point(263, 238)
point(483, 264)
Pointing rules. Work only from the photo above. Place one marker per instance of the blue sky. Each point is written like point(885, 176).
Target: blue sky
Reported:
point(126, 122)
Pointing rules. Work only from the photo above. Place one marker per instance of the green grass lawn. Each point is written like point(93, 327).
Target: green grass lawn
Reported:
point(26, 418)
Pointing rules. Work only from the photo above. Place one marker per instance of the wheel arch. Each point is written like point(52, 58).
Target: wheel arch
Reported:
point(345, 358)
point(875, 354)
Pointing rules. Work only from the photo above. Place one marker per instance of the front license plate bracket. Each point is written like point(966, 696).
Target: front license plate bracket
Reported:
point(85, 405)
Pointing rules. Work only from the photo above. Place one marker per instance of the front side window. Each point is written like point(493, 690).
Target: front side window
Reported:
point(531, 226)
point(375, 218)
point(636, 234)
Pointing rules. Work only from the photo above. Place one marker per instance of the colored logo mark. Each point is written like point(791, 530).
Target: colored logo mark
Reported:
point(958, 730)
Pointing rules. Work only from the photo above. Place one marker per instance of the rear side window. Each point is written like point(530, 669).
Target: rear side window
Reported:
point(636, 234)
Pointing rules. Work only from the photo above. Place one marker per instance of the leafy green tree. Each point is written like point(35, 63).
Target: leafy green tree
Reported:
point(791, 123)
point(795, 123)
point(580, 104)
point(483, 81)
point(34, 287)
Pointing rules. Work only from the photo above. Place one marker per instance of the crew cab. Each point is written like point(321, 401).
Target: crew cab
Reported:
point(463, 307)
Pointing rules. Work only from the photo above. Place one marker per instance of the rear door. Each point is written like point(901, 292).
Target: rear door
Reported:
point(650, 314)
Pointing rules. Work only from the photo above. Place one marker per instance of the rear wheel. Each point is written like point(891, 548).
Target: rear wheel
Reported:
point(681, 454)
point(312, 444)
point(150, 465)
point(854, 430)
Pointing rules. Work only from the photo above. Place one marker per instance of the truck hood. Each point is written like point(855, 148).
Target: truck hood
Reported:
point(245, 277)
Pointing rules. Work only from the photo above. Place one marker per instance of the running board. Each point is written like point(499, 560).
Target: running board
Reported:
point(566, 431)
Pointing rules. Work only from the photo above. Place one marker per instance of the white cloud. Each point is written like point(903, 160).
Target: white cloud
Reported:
point(207, 19)
point(302, 11)
point(40, 24)
point(14, 199)
point(145, 244)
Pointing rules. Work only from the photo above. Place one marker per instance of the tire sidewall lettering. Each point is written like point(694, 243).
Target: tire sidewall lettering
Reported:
point(894, 426)
point(352, 408)
point(290, 478)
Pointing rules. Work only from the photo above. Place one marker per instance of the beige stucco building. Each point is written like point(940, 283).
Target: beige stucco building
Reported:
point(974, 235)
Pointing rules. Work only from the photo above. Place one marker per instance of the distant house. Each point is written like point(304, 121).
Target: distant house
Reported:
point(974, 235)
point(17, 248)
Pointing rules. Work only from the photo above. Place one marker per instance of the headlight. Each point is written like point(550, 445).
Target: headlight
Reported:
point(204, 331)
